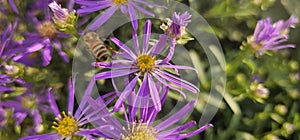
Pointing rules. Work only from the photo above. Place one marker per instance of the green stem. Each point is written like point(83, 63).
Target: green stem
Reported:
point(232, 67)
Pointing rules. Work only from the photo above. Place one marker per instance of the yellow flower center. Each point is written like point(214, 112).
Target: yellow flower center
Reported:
point(145, 63)
point(28, 102)
point(66, 125)
point(47, 29)
point(139, 131)
point(33, 55)
point(119, 1)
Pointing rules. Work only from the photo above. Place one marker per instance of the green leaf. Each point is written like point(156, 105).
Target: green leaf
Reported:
point(251, 64)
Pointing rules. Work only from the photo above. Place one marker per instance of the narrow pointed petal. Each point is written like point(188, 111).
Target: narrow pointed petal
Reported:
point(47, 55)
point(62, 54)
point(71, 89)
point(159, 46)
point(52, 102)
point(154, 93)
point(135, 42)
point(113, 74)
point(193, 133)
point(176, 116)
point(150, 3)
point(147, 34)
point(141, 9)
point(128, 90)
point(101, 19)
point(123, 46)
point(133, 17)
point(92, 9)
point(13, 6)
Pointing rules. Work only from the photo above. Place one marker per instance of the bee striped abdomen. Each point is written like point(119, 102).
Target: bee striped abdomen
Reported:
point(100, 52)
point(97, 47)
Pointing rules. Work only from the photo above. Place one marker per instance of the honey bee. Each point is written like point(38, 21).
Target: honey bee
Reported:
point(97, 47)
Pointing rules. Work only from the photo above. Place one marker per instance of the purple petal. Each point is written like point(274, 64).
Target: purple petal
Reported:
point(175, 117)
point(71, 88)
point(141, 9)
point(19, 117)
point(60, 52)
point(124, 9)
point(168, 85)
point(176, 130)
point(123, 46)
point(135, 42)
point(33, 48)
point(133, 17)
point(159, 46)
point(51, 136)
point(136, 103)
point(154, 93)
point(171, 51)
point(13, 6)
point(178, 67)
point(282, 47)
point(37, 118)
point(128, 90)
point(147, 34)
point(92, 9)
point(4, 89)
point(52, 102)
point(178, 81)
point(92, 3)
point(84, 98)
point(101, 19)
point(151, 4)
point(47, 55)
point(113, 74)
point(193, 133)
point(97, 113)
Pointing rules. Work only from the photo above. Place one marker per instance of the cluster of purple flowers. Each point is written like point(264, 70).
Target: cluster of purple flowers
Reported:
point(145, 71)
point(270, 36)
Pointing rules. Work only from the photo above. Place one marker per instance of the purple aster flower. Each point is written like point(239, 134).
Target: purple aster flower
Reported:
point(176, 26)
point(71, 124)
point(268, 36)
point(143, 64)
point(126, 7)
point(45, 39)
point(29, 105)
point(143, 127)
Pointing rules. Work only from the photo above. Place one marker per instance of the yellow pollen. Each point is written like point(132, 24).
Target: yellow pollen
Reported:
point(28, 102)
point(255, 47)
point(145, 63)
point(33, 55)
point(47, 29)
point(66, 125)
point(139, 131)
point(119, 1)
